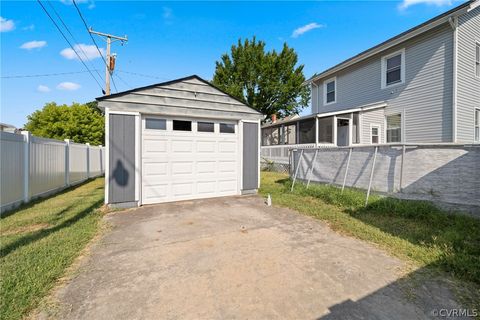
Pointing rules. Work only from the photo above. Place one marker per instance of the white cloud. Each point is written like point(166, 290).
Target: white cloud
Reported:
point(29, 28)
point(86, 52)
point(70, 86)
point(308, 27)
point(6, 25)
point(42, 88)
point(33, 45)
point(408, 3)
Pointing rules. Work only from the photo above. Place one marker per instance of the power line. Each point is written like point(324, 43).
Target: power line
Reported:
point(88, 31)
point(142, 75)
point(73, 37)
point(42, 75)
point(93, 39)
point(63, 35)
point(124, 82)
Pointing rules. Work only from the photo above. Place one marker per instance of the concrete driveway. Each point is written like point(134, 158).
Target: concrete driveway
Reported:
point(235, 258)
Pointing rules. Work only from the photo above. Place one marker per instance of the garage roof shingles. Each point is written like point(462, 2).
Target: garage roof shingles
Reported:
point(190, 96)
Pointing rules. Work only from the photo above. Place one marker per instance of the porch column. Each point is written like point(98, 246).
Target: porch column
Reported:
point(335, 130)
point(316, 131)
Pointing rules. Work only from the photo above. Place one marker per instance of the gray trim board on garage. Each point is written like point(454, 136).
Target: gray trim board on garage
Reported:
point(121, 158)
point(250, 156)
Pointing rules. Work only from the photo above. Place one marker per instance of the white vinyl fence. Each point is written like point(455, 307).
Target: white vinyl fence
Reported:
point(32, 167)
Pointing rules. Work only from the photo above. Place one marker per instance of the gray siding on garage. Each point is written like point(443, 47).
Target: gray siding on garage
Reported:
point(121, 149)
point(426, 96)
point(468, 94)
point(188, 97)
point(250, 156)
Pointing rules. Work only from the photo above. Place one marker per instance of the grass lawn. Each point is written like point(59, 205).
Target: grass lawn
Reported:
point(415, 231)
point(40, 240)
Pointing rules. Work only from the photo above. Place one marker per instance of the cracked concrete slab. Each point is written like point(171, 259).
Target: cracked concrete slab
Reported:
point(235, 258)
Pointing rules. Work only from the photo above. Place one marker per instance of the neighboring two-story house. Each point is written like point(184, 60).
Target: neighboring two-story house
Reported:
point(422, 86)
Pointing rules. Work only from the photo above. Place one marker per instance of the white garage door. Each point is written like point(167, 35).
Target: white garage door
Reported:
point(188, 159)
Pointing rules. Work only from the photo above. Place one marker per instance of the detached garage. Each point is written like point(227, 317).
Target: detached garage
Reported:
point(179, 140)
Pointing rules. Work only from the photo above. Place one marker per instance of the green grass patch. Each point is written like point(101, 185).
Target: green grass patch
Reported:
point(413, 230)
point(39, 241)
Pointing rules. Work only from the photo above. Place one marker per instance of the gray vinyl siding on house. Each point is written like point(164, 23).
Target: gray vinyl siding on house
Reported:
point(369, 118)
point(190, 97)
point(424, 99)
point(468, 85)
point(314, 95)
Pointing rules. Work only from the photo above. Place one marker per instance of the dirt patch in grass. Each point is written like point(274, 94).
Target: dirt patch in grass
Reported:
point(26, 229)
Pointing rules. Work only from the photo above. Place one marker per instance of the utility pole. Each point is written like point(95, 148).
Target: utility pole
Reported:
point(108, 63)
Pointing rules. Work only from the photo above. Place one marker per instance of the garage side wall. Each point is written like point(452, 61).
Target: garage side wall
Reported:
point(250, 157)
point(121, 160)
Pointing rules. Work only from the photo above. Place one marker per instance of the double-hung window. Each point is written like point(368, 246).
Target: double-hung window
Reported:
point(477, 59)
point(375, 134)
point(393, 69)
point(330, 91)
point(394, 128)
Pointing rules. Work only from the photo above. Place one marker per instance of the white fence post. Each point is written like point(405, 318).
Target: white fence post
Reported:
point(26, 166)
point(102, 169)
point(88, 160)
point(67, 162)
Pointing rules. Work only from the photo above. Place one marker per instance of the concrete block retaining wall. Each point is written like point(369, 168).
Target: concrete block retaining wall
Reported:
point(447, 174)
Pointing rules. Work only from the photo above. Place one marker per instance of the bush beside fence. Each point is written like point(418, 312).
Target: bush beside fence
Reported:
point(32, 167)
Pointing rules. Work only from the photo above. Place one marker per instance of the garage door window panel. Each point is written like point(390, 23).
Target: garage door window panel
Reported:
point(182, 125)
point(205, 126)
point(227, 128)
point(155, 124)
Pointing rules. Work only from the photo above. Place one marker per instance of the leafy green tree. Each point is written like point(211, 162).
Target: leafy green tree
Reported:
point(270, 82)
point(81, 123)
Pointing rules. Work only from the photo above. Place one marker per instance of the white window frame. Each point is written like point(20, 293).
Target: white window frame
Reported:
point(325, 83)
point(475, 110)
point(402, 69)
point(379, 127)
point(476, 64)
point(401, 126)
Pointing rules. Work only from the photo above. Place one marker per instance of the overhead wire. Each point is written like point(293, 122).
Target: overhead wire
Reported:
point(94, 42)
point(124, 82)
point(41, 75)
point(74, 39)
point(69, 43)
point(142, 75)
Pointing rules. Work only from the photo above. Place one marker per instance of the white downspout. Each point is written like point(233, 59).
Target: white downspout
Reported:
point(454, 24)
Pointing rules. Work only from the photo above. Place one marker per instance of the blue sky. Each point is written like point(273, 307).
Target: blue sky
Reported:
point(168, 40)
